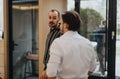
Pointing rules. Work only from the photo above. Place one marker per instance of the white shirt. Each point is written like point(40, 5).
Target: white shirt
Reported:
point(71, 57)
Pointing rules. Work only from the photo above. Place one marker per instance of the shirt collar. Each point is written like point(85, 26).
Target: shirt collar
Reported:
point(70, 33)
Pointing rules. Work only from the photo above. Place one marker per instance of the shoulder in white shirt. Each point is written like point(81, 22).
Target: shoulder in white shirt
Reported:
point(71, 57)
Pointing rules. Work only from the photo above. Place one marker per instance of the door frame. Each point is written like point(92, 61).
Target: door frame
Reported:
point(112, 20)
point(10, 41)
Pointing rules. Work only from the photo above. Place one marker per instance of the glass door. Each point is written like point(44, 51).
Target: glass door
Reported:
point(93, 14)
point(99, 26)
point(23, 39)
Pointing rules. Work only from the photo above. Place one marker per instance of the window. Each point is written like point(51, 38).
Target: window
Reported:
point(118, 41)
point(1, 19)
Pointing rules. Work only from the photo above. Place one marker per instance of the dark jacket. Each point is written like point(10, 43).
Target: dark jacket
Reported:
point(54, 33)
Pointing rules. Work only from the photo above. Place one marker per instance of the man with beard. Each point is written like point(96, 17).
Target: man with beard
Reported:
point(53, 18)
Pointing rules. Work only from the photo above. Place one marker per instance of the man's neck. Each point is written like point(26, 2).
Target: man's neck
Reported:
point(66, 30)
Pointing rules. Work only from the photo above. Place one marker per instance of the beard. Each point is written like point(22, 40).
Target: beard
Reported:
point(52, 24)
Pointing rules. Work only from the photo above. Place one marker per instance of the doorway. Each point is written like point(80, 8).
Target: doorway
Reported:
point(93, 16)
point(23, 32)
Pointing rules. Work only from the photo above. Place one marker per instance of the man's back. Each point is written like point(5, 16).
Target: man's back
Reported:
point(76, 54)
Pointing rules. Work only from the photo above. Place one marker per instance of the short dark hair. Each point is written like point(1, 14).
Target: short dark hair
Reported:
point(55, 10)
point(73, 19)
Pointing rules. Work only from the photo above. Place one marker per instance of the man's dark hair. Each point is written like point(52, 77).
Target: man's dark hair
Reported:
point(54, 10)
point(73, 19)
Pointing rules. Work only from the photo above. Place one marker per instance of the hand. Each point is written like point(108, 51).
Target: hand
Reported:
point(89, 73)
point(43, 75)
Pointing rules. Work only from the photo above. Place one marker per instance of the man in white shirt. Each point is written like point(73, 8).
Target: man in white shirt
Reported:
point(71, 55)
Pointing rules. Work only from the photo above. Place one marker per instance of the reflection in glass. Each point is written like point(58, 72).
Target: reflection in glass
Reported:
point(93, 14)
point(94, 28)
point(25, 39)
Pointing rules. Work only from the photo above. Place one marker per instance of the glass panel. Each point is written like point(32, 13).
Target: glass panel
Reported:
point(93, 14)
point(1, 19)
point(118, 40)
point(25, 39)
point(70, 4)
point(94, 28)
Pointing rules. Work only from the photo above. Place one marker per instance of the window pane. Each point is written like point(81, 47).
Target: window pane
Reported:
point(93, 14)
point(1, 18)
point(25, 39)
point(118, 40)
point(70, 4)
